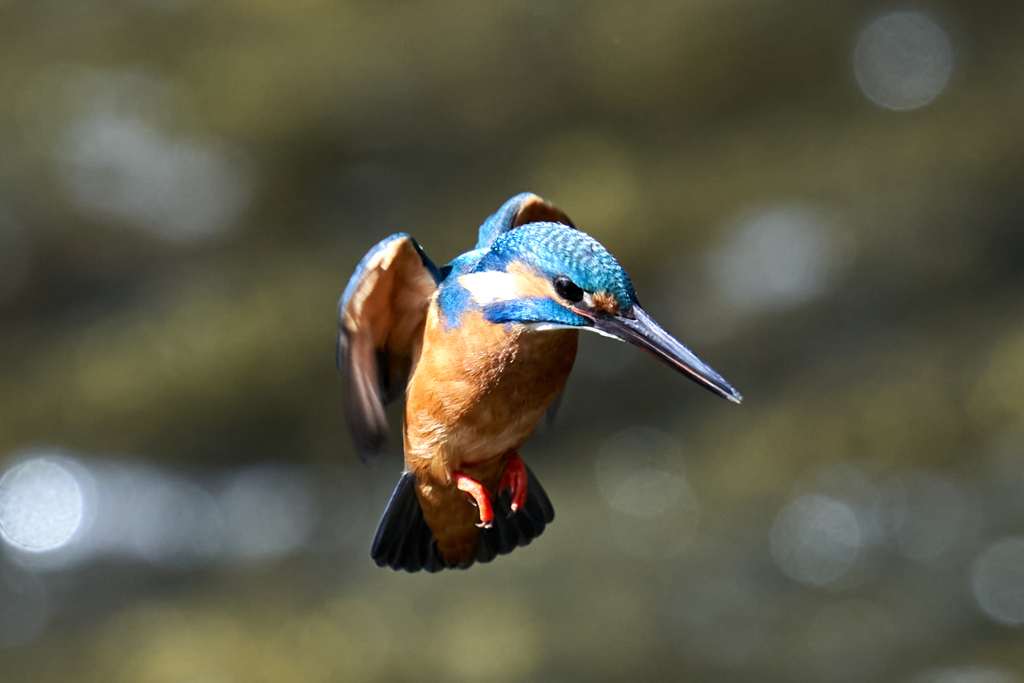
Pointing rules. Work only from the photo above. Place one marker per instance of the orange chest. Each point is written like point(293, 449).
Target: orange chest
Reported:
point(482, 383)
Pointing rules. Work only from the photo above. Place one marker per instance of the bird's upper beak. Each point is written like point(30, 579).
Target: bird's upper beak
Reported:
point(638, 328)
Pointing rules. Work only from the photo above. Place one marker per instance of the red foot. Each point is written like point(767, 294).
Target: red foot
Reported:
point(514, 478)
point(479, 494)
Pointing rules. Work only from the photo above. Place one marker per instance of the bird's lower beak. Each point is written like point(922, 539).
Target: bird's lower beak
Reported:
point(642, 331)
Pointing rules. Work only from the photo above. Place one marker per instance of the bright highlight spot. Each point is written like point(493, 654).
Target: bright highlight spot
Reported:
point(815, 539)
point(902, 60)
point(779, 258)
point(998, 581)
point(41, 505)
point(850, 483)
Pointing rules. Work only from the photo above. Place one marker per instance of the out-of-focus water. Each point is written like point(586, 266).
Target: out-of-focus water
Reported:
point(822, 199)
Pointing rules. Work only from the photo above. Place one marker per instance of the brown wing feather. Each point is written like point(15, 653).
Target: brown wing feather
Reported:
point(380, 334)
point(536, 209)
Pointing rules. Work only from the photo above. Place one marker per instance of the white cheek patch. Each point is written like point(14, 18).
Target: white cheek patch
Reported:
point(604, 334)
point(490, 287)
point(545, 327)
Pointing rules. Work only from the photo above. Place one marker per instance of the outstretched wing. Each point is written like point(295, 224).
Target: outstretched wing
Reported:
point(380, 332)
point(522, 209)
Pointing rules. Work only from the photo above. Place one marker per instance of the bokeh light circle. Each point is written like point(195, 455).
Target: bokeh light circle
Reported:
point(815, 539)
point(41, 505)
point(998, 581)
point(902, 60)
point(780, 257)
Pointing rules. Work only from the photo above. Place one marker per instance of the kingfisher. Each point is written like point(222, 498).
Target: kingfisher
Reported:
point(481, 348)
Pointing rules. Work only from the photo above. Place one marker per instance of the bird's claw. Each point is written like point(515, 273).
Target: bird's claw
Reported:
point(478, 496)
point(514, 478)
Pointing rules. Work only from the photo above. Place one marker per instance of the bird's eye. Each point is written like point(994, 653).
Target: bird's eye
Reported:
point(567, 289)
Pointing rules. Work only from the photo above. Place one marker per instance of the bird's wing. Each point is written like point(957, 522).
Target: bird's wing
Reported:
point(520, 210)
point(380, 331)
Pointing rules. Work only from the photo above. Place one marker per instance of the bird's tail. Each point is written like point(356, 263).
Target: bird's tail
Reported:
point(404, 541)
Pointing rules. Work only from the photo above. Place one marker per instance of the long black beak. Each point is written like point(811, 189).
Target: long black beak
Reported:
point(642, 331)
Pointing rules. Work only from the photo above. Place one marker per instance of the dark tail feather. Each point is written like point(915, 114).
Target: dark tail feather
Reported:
point(513, 530)
point(404, 541)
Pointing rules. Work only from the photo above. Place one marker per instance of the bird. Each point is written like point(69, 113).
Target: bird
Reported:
point(481, 349)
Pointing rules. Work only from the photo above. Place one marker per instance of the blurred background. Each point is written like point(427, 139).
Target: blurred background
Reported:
point(823, 200)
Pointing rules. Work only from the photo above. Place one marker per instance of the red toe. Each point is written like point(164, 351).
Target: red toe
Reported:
point(514, 478)
point(479, 494)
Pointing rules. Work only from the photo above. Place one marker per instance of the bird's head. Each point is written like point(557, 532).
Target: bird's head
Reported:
point(551, 276)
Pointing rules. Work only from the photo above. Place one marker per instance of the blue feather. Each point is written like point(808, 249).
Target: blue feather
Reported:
point(552, 249)
point(532, 310)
